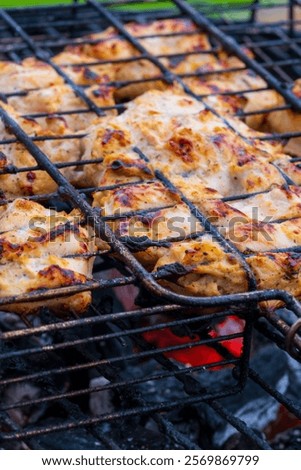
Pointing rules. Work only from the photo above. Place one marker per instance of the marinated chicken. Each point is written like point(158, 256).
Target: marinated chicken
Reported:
point(15, 156)
point(284, 120)
point(41, 248)
point(163, 38)
point(62, 99)
point(31, 74)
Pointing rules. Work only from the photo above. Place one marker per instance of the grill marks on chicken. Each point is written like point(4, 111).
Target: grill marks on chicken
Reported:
point(35, 249)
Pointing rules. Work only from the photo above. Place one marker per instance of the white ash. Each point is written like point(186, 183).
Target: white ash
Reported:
point(100, 402)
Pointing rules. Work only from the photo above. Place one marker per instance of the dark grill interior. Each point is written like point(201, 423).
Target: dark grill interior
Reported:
point(52, 367)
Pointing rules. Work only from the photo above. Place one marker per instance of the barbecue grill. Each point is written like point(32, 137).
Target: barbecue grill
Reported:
point(54, 369)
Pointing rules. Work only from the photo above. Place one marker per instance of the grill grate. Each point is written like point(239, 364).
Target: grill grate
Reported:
point(23, 33)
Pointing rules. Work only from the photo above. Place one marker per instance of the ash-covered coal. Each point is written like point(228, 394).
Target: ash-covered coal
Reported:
point(258, 409)
point(288, 440)
point(16, 393)
point(100, 401)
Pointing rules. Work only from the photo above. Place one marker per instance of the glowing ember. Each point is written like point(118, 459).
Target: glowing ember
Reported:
point(201, 354)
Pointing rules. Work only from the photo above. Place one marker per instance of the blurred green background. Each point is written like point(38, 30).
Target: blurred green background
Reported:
point(22, 3)
point(16, 3)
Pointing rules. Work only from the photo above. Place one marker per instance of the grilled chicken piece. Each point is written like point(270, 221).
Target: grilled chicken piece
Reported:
point(221, 81)
point(164, 37)
point(183, 140)
point(32, 74)
point(121, 164)
point(37, 245)
point(81, 70)
point(158, 37)
point(15, 155)
point(280, 203)
point(139, 197)
point(60, 99)
point(256, 237)
point(163, 224)
point(211, 271)
point(161, 214)
point(150, 110)
point(29, 75)
point(281, 121)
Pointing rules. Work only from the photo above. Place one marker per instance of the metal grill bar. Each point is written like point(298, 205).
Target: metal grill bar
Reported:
point(117, 385)
point(130, 394)
point(289, 404)
point(92, 339)
point(175, 435)
point(141, 313)
point(147, 410)
point(13, 170)
point(240, 425)
point(142, 355)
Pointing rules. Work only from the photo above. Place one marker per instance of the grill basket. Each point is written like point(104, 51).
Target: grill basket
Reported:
point(58, 357)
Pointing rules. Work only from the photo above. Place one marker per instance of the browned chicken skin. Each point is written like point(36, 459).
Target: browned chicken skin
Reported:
point(37, 246)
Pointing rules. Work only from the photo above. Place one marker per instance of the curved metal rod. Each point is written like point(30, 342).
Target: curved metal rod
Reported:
point(290, 344)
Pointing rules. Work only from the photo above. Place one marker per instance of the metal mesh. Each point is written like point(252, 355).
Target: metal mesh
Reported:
point(43, 32)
